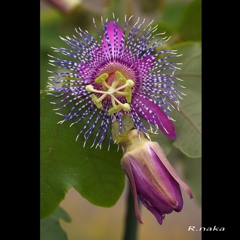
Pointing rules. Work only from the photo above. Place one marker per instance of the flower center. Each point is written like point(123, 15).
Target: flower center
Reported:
point(113, 86)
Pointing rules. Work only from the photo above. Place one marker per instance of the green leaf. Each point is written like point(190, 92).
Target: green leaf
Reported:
point(151, 6)
point(114, 6)
point(192, 173)
point(168, 21)
point(50, 28)
point(54, 24)
point(95, 173)
point(50, 228)
point(172, 13)
point(188, 119)
point(49, 36)
point(190, 26)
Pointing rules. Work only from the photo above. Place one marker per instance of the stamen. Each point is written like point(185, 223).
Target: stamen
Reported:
point(95, 100)
point(121, 93)
point(102, 97)
point(114, 110)
point(112, 91)
point(129, 94)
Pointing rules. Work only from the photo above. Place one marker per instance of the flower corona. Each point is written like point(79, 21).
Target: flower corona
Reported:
point(121, 73)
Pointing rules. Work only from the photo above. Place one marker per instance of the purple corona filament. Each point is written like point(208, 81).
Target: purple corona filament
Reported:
point(119, 73)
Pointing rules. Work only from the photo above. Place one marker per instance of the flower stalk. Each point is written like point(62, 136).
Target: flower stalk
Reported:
point(131, 224)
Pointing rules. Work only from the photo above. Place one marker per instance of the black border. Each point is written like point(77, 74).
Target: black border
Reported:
point(219, 125)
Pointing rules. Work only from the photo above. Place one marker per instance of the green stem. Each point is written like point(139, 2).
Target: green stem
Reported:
point(130, 231)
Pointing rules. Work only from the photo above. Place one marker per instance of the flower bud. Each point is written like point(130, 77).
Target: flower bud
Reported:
point(152, 178)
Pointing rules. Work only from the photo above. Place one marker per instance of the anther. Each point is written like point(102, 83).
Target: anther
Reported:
point(101, 78)
point(130, 83)
point(89, 88)
point(95, 100)
point(126, 107)
point(121, 77)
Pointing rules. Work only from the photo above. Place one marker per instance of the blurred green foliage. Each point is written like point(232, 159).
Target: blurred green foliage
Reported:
point(50, 228)
point(95, 173)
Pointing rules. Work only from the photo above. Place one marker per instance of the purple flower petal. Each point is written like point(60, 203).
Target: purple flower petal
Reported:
point(114, 35)
point(171, 184)
point(144, 178)
point(159, 216)
point(159, 152)
point(128, 171)
point(154, 113)
point(144, 65)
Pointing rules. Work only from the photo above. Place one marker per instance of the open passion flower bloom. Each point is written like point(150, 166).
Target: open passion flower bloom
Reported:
point(121, 73)
point(152, 178)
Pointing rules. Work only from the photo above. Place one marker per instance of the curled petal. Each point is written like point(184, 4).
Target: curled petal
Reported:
point(173, 195)
point(168, 166)
point(128, 171)
point(158, 116)
point(159, 216)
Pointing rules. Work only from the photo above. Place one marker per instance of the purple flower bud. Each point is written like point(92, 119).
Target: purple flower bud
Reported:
point(152, 178)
